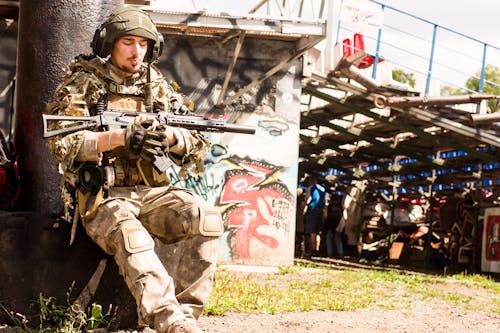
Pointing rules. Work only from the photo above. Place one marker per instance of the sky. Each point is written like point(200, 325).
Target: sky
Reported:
point(456, 58)
point(475, 18)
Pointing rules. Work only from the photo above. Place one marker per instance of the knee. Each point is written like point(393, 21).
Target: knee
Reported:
point(135, 237)
point(208, 222)
point(199, 218)
point(181, 214)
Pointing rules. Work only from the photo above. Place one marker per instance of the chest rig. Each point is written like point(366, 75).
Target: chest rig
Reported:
point(123, 168)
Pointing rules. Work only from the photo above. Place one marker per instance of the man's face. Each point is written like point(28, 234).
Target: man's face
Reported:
point(128, 53)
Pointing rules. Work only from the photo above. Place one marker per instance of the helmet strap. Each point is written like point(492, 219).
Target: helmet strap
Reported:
point(148, 91)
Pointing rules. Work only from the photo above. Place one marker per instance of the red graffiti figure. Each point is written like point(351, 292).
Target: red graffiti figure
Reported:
point(252, 204)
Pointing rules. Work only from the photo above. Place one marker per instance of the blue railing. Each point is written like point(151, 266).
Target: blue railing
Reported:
point(436, 55)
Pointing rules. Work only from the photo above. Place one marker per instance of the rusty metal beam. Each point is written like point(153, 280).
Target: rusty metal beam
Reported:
point(354, 132)
point(381, 101)
point(484, 119)
point(475, 133)
point(230, 69)
point(422, 115)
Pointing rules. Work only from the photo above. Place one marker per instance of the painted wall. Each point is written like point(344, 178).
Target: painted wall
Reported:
point(250, 178)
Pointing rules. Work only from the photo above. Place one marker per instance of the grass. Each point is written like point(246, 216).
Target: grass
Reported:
point(299, 288)
point(57, 318)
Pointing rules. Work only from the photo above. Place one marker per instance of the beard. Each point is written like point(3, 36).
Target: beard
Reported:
point(129, 66)
point(130, 69)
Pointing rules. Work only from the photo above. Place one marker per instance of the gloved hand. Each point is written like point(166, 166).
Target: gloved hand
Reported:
point(135, 136)
point(155, 150)
point(155, 144)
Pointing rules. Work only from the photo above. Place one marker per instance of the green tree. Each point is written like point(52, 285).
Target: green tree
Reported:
point(450, 91)
point(403, 77)
point(491, 83)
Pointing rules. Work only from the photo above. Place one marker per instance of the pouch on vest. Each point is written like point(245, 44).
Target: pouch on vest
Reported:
point(149, 175)
point(91, 181)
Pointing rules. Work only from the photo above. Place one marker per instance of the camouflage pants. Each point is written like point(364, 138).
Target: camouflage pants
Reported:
point(173, 282)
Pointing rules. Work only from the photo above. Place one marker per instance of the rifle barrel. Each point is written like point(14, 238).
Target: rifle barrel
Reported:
point(116, 118)
point(239, 129)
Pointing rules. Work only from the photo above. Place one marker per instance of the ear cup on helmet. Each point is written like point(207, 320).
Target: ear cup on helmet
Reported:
point(98, 41)
point(156, 50)
point(127, 21)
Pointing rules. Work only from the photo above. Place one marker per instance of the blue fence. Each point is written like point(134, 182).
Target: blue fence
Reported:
point(436, 55)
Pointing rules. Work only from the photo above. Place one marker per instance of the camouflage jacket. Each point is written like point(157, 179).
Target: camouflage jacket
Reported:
point(87, 81)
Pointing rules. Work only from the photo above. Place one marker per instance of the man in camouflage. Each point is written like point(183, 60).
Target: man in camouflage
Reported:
point(108, 181)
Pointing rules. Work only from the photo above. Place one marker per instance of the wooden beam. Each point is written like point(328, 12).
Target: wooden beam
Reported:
point(230, 69)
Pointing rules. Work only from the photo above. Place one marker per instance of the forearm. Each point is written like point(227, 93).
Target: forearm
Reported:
point(95, 143)
point(109, 140)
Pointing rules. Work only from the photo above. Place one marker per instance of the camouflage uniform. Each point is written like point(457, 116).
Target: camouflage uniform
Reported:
point(141, 204)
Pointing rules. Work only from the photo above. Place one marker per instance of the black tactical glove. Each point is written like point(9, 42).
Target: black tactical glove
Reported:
point(154, 144)
point(155, 150)
point(135, 136)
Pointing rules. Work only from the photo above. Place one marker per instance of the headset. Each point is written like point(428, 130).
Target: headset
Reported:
point(116, 26)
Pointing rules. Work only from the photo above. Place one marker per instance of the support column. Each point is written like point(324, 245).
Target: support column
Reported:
point(51, 34)
point(35, 255)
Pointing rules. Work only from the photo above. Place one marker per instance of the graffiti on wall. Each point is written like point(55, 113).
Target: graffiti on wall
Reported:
point(249, 178)
point(253, 197)
point(250, 196)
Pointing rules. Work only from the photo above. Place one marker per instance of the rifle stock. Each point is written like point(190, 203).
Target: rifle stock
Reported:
point(113, 119)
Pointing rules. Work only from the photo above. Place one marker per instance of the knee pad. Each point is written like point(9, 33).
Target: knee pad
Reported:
point(135, 237)
point(210, 222)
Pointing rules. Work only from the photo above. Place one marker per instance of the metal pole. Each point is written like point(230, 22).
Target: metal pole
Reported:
point(329, 54)
point(483, 68)
point(431, 200)
point(431, 59)
point(377, 52)
point(475, 264)
point(330, 12)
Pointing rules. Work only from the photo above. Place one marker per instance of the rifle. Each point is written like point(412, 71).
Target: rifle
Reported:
point(115, 119)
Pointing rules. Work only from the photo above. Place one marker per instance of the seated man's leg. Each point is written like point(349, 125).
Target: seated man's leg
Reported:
point(176, 215)
point(117, 231)
point(195, 275)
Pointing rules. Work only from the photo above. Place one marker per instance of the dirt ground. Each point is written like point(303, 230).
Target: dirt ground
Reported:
point(419, 316)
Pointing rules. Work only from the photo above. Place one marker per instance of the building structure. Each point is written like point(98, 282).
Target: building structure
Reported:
point(250, 69)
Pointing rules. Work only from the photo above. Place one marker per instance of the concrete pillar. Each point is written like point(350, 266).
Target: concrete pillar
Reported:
point(35, 255)
point(51, 34)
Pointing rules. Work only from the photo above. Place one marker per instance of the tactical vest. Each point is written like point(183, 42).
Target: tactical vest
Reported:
point(123, 168)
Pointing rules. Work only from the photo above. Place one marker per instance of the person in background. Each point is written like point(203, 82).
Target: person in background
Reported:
point(299, 224)
point(314, 215)
point(332, 236)
point(339, 235)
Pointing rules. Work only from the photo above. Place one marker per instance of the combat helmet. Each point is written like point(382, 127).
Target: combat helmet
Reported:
point(127, 21)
